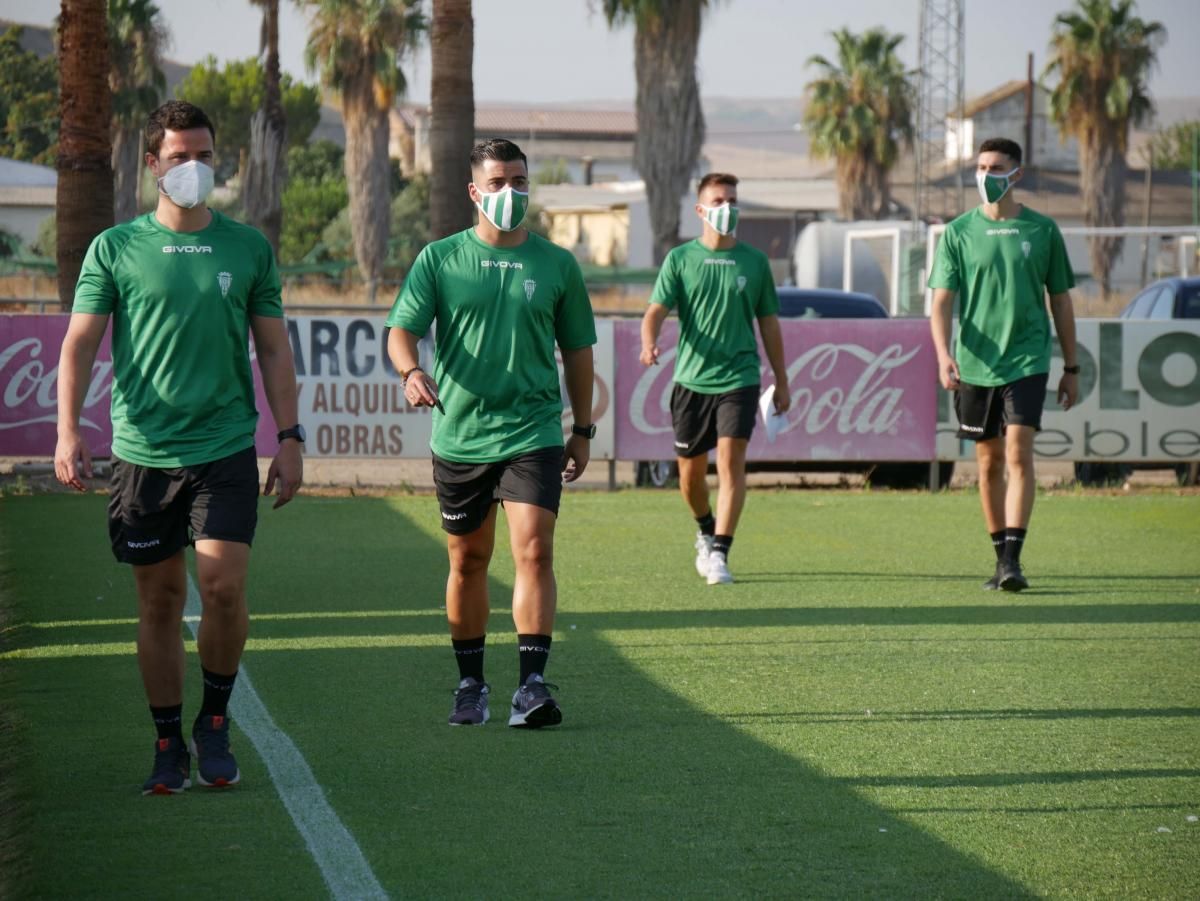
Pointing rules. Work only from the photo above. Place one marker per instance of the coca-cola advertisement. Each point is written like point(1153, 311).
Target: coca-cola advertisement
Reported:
point(861, 390)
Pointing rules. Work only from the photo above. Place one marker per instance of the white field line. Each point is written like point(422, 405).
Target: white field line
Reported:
point(334, 849)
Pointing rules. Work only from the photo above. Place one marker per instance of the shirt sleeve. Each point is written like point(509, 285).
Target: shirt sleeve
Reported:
point(668, 287)
point(1059, 276)
point(768, 297)
point(416, 304)
point(945, 273)
point(267, 297)
point(574, 323)
point(96, 290)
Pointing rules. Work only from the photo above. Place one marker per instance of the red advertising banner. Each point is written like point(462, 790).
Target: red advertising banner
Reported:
point(861, 390)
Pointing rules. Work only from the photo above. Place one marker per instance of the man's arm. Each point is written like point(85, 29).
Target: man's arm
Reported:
point(941, 321)
point(1063, 312)
point(579, 375)
point(420, 389)
point(772, 339)
point(652, 322)
point(72, 458)
point(274, 352)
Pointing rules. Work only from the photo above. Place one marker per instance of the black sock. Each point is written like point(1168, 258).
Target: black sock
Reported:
point(168, 721)
point(998, 544)
point(468, 653)
point(707, 524)
point(533, 650)
point(217, 689)
point(1014, 540)
point(722, 544)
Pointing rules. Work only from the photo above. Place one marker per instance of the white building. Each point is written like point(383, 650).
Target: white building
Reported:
point(27, 197)
point(1000, 113)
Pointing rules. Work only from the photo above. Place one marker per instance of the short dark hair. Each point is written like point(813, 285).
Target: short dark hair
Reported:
point(1010, 149)
point(716, 178)
point(500, 149)
point(175, 115)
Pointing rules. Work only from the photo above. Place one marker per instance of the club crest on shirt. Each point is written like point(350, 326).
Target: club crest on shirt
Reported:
point(224, 279)
point(1026, 247)
point(530, 287)
point(741, 283)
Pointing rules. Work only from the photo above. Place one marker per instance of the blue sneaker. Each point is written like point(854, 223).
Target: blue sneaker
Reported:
point(533, 706)
point(470, 703)
point(172, 763)
point(216, 767)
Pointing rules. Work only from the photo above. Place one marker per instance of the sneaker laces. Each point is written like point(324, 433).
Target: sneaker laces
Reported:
point(469, 697)
point(212, 742)
point(538, 689)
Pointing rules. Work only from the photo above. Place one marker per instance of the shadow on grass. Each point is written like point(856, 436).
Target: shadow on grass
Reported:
point(883, 716)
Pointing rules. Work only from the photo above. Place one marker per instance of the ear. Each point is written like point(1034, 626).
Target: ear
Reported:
point(700, 210)
point(473, 192)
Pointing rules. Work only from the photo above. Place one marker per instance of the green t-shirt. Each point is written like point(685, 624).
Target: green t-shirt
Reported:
point(717, 294)
point(1002, 270)
point(499, 313)
point(181, 302)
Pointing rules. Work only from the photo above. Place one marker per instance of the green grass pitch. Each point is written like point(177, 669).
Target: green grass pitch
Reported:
point(854, 718)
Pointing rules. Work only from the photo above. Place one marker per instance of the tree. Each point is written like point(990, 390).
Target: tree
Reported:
point(136, 37)
point(452, 104)
point(262, 186)
point(230, 96)
point(670, 122)
point(315, 193)
point(1102, 54)
point(1175, 145)
point(859, 111)
point(28, 102)
point(357, 45)
point(84, 203)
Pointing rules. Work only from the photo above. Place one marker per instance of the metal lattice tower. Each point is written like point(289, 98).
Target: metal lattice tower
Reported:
point(937, 189)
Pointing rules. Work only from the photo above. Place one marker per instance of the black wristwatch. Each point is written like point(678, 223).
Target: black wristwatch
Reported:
point(1071, 370)
point(584, 431)
point(296, 431)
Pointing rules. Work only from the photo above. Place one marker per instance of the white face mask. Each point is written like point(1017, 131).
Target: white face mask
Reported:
point(723, 218)
point(505, 208)
point(993, 187)
point(187, 184)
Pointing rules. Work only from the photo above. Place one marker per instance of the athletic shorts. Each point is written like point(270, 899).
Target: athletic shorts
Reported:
point(984, 413)
point(700, 419)
point(155, 513)
point(466, 491)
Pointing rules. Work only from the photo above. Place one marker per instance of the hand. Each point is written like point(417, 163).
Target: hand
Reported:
point(948, 374)
point(649, 355)
point(1068, 390)
point(782, 398)
point(287, 469)
point(420, 390)
point(575, 457)
point(72, 459)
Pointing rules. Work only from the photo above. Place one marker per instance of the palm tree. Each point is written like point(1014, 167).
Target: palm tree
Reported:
point(357, 46)
point(670, 122)
point(266, 166)
point(1102, 54)
point(860, 112)
point(137, 37)
point(452, 130)
point(83, 203)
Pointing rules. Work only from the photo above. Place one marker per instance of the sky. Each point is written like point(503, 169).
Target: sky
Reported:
point(557, 51)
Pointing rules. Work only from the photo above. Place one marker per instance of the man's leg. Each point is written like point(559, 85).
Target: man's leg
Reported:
point(990, 457)
point(224, 623)
point(467, 610)
point(731, 483)
point(693, 484)
point(162, 593)
point(1018, 504)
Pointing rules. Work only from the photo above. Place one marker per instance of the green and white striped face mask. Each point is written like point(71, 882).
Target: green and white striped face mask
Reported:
point(723, 218)
point(505, 208)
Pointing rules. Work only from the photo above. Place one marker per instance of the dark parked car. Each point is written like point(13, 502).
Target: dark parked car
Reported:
point(819, 303)
point(1167, 298)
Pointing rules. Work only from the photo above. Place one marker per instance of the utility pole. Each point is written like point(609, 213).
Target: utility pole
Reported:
point(939, 99)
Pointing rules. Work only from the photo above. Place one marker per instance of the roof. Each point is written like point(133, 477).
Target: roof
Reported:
point(994, 96)
point(16, 174)
point(540, 121)
point(755, 195)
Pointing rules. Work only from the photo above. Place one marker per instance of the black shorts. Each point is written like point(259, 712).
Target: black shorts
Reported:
point(466, 491)
point(984, 412)
point(700, 419)
point(155, 513)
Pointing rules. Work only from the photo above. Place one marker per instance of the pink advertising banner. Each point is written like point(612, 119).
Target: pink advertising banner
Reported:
point(29, 349)
point(861, 390)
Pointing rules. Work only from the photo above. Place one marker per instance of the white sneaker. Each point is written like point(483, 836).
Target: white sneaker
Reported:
point(703, 549)
point(718, 569)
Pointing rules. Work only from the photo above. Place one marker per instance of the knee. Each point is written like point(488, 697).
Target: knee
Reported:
point(535, 554)
point(221, 594)
point(1020, 460)
point(468, 561)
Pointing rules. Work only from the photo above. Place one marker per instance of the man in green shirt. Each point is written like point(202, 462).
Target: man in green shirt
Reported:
point(501, 298)
point(718, 286)
point(184, 287)
point(1001, 259)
